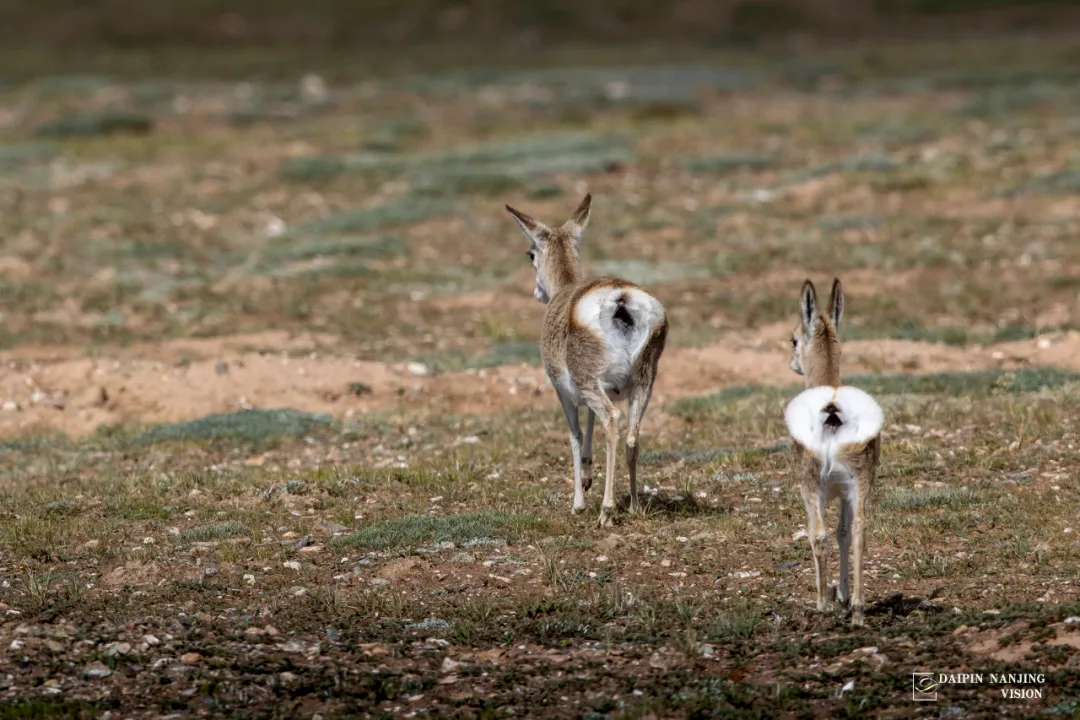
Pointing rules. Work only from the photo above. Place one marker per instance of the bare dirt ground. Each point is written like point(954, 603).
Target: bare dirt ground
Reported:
point(58, 391)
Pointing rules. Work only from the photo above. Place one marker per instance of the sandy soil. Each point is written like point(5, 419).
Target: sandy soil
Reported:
point(61, 390)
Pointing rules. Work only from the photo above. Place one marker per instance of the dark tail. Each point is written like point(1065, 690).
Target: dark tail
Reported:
point(622, 317)
point(833, 421)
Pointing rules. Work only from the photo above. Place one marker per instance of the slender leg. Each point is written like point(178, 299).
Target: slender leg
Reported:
point(586, 450)
point(859, 531)
point(843, 540)
point(639, 401)
point(609, 417)
point(572, 421)
point(819, 544)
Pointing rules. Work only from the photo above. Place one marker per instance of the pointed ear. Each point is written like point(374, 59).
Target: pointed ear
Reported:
point(836, 302)
point(533, 229)
point(808, 304)
point(580, 219)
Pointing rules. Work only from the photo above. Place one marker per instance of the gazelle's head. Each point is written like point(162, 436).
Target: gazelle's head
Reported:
point(815, 346)
point(554, 251)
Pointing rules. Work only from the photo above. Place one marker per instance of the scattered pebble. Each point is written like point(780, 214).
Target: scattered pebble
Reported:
point(292, 565)
point(96, 671)
point(190, 658)
point(449, 665)
point(418, 369)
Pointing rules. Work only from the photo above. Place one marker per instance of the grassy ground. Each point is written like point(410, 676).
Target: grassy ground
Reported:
point(284, 563)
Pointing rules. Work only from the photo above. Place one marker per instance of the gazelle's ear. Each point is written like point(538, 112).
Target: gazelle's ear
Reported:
point(579, 220)
point(836, 303)
point(808, 305)
point(535, 230)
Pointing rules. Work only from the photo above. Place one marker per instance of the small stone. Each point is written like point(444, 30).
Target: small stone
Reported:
point(681, 539)
point(297, 591)
point(665, 563)
point(249, 579)
point(311, 550)
point(418, 369)
point(191, 658)
point(91, 544)
point(208, 571)
point(302, 543)
point(96, 671)
point(151, 640)
point(292, 565)
point(449, 665)
point(1072, 620)
point(117, 648)
point(10, 406)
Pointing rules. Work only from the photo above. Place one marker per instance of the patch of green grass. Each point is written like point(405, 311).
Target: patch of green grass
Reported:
point(696, 407)
point(857, 164)
point(394, 213)
point(47, 708)
point(477, 168)
point(16, 155)
point(909, 499)
point(724, 164)
point(955, 383)
point(653, 457)
point(96, 125)
point(466, 182)
point(421, 529)
point(214, 531)
point(1061, 182)
point(247, 425)
point(507, 352)
point(354, 246)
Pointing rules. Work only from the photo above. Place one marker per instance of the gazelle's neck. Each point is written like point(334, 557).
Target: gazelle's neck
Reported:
point(563, 269)
point(825, 368)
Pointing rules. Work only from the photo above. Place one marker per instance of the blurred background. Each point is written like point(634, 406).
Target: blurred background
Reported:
point(329, 177)
point(74, 27)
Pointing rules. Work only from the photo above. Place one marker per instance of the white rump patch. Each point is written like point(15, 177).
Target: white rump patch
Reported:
point(806, 417)
point(596, 310)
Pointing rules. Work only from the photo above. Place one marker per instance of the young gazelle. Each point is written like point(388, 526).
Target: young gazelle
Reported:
point(601, 344)
point(836, 430)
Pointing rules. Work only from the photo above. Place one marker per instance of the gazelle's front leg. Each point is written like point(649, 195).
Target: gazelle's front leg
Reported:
point(586, 450)
point(639, 402)
point(570, 409)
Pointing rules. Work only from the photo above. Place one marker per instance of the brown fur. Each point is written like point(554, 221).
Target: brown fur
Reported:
point(816, 355)
point(569, 347)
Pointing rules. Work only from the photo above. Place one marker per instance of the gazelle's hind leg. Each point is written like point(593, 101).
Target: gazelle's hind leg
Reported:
point(586, 451)
point(639, 402)
point(574, 424)
point(843, 540)
point(819, 544)
point(859, 536)
point(608, 415)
